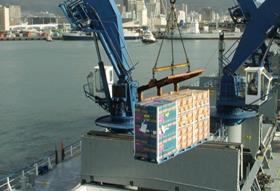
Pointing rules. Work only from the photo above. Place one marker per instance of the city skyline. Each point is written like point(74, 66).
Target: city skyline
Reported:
point(52, 5)
point(144, 13)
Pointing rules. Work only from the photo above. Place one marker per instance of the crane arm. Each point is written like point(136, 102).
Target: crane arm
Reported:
point(248, 7)
point(103, 18)
point(262, 23)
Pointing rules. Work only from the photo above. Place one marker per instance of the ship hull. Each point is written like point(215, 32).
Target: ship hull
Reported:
point(77, 37)
point(85, 38)
point(202, 36)
point(148, 41)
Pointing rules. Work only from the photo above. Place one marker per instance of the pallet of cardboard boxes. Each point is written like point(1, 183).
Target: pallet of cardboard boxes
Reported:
point(171, 124)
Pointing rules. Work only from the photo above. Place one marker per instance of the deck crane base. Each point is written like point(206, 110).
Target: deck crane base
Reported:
point(120, 126)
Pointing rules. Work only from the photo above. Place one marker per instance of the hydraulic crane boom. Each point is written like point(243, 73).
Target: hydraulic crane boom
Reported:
point(103, 19)
point(262, 22)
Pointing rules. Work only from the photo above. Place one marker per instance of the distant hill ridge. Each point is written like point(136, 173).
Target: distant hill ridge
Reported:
point(218, 5)
point(51, 5)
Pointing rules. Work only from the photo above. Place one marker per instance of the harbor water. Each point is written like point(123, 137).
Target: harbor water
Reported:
point(41, 97)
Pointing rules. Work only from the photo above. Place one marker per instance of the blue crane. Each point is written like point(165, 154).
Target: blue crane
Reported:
point(103, 20)
point(262, 22)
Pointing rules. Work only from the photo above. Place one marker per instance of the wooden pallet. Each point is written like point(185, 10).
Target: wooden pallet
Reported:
point(165, 159)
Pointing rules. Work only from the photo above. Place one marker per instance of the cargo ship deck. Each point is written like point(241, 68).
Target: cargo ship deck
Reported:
point(66, 175)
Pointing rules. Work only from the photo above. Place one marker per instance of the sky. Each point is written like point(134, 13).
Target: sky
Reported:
point(52, 5)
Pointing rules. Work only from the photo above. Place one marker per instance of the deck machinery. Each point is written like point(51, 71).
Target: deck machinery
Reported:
point(245, 119)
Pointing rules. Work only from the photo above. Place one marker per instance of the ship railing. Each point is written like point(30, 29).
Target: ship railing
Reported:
point(25, 178)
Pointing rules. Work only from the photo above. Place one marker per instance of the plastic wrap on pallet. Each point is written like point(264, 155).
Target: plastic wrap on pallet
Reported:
point(155, 130)
point(170, 124)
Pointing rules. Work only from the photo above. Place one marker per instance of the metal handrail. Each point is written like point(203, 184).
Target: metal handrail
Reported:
point(13, 179)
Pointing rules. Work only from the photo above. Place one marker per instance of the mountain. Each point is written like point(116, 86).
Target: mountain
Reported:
point(218, 5)
point(51, 5)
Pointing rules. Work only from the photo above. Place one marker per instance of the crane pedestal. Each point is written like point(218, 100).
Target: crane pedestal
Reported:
point(234, 133)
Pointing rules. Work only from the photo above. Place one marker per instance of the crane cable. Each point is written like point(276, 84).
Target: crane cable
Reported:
point(169, 29)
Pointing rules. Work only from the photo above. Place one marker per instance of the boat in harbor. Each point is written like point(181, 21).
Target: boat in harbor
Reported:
point(207, 36)
point(148, 37)
point(131, 34)
point(79, 35)
point(49, 38)
point(201, 35)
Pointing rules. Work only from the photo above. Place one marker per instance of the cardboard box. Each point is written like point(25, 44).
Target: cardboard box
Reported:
point(155, 130)
point(166, 125)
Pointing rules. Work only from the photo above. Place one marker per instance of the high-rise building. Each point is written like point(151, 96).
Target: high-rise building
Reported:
point(4, 18)
point(181, 16)
point(185, 8)
point(163, 6)
point(125, 3)
point(15, 14)
point(151, 8)
point(208, 14)
point(121, 8)
point(157, 8)
point(42, 18)
point(141, 12)
point(194, 16)
point(130, 5)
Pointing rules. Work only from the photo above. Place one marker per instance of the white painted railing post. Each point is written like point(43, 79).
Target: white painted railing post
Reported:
point(36, 169)
point(71, 150)
point(50, 163)
point(9, 184)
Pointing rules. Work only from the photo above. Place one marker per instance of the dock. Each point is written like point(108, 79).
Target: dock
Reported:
point(27, 38)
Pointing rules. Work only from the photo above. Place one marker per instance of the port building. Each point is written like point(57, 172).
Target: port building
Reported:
point(15, 14)
point(4, 18)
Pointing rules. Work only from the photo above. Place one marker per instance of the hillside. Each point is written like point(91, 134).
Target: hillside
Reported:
point(51, 5)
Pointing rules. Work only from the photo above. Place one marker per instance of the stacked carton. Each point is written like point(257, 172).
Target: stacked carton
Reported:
point(155, 130)
point(193, 111)
point(187, 124)
point(184, 105)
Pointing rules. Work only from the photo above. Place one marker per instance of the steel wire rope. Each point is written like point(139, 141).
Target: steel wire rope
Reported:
point(161, 45)
point(184, 48)
point(172, 15)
